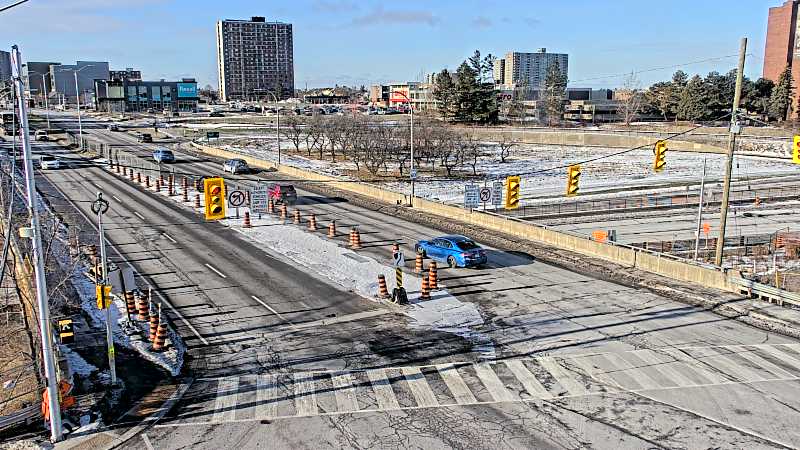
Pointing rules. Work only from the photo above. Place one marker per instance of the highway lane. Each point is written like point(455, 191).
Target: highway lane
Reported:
point(541, 318)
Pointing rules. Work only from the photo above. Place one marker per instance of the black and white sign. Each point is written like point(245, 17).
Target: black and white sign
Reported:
point(259, 198)
point(472, 196)
point(497, 193)
point(236, 198)
point(122, 280)
point(399, 260)
point(486, 194)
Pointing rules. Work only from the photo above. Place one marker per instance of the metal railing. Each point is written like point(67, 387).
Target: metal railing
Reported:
point(766, 292)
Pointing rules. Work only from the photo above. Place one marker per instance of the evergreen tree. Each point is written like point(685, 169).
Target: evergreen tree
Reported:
point(693, 104)
point(467, 93)
point(444, 92)
point(659, 99)
point(780, 101)
point(555, 87)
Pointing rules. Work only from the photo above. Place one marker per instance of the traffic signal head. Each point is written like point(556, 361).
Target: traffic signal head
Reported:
point(512, 192)
point(660, 152)
point(214, 192)
point(796, 150)
point(573, 179)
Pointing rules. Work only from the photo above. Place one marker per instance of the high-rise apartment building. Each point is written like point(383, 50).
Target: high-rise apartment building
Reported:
point(783, 44)
point(528, 68)
point(254, 58)
point(5, 66)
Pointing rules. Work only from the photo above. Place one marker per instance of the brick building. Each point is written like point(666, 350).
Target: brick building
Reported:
point(783, 44)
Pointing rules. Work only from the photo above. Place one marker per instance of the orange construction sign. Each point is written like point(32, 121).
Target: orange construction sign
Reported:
point(64, 400)
point(706, 228)
point(599, 235)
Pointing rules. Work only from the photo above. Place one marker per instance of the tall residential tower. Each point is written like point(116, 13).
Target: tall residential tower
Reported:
point(528, 69)
point(254, 58)
point(783, 45)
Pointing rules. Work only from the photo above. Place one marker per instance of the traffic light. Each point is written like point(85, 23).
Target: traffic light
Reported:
point(214, 191)
point(512, 192)
point(103, 292)
point(796, 150)
point(660, 152)
point(573, 178)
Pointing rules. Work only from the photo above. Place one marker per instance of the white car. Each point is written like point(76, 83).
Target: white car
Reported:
point(41, 135)
point(49, 162)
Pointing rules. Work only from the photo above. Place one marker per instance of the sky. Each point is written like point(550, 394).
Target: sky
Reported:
point(355, 42)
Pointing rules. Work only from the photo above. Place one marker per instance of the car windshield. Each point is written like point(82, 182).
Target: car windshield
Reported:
point(467, 245)
point(288, 188)
point(48, 158)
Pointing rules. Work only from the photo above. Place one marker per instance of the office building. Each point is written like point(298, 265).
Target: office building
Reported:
point(393, 95)
point(63, 79)
point(783, 44)
point(34, 71)
point(5, 66)
point(529, 69)
point(254, 58)
point(137, 95)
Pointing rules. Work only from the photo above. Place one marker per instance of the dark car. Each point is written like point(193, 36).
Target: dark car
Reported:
point(145, 137)
point(283, 193)
point(455, 251)
point(216, 114)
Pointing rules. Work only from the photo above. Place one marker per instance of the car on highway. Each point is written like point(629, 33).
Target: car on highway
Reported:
point(48, 162)
point(145, 137)
point(282, 193)
point(453, 250)
point(162, 155)
point(216, 114)
point(235, 166)
point(113, 127)
point(41, 135)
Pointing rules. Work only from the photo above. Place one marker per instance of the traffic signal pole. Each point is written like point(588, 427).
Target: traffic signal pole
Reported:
point(38, 254)
point(100, 206)
point(734, 130)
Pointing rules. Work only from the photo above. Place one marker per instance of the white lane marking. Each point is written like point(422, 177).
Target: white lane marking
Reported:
point(529, 382)
point(493, 383)
point(344, 392)
point(170, 238)
point(149, 284)
point(146, 441)
point(456, 384)
point(266, 396)
point(215, 270)
point(666, 368)
point(225, 404)
point(96, 185)
point(419, 387)
point(265, 305)
point(621, 364)
point(784, 357)
point(384, 393)
point(305, 399)
point(116, 198)
point(562, 377)
point(758, 361)
point(139, 215)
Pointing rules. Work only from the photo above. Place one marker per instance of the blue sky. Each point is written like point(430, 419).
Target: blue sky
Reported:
point(369, 41)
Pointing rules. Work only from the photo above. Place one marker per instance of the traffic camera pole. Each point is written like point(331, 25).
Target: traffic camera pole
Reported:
point(100, 206)
point(38, 254)
point(734, 130)
point(700, 211)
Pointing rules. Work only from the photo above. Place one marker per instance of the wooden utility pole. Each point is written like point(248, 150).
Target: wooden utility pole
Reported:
point(734, 130)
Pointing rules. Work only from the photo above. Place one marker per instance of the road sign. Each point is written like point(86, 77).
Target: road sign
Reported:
point(259, 198)
point(237, 198)
point(471, 196)
point(486, 194)
point(706, 228)
point(66, 332)
point(212, 134)
point(414, 174)
point(122, 280)
point(399, 260)
point(103, 292)
point(497, 193)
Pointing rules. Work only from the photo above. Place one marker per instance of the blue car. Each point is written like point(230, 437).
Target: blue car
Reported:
point(455, 251)
point(163, 155)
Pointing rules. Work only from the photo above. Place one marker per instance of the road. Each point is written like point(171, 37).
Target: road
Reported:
point(282, 355)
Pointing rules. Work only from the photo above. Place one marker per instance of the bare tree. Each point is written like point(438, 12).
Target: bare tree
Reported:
point(506, 143)
point(315, 135)
point(629, 98)
point(471, 151)
point(295, 131)
point(451, 151)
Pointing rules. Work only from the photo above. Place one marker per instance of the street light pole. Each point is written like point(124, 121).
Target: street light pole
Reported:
point(277, 125)
point(80, 124)
point(46, 104)
point(412, 174)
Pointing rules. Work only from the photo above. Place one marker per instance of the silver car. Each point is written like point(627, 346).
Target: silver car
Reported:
point(235, 166)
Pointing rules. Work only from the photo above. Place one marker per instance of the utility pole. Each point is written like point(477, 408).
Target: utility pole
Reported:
point(38, 254)
point(734, 130)
point(700, 211)
point(99, 207)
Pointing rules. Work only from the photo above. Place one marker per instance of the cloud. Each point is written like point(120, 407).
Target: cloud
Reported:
point(396, 17)
point(531, 21)
point(334, 6)
point(482, 22)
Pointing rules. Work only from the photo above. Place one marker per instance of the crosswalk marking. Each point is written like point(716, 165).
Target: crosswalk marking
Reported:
point(561, 375)
point(419, 387)
point(225, 404)
point(305, 399)
point(529, 382)
point(266, 396)
point(493, 384)
point(485, 382)
point(383, 390)
point(344, 392)
point(456, 384)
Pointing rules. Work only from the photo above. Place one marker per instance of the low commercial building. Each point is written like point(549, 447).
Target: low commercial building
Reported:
point(393, 95)
point(140, 96)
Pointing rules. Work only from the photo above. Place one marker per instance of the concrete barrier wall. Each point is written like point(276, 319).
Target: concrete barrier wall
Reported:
point(625, 256)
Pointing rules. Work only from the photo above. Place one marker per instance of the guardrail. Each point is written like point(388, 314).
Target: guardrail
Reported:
point(766, 292)
point(25, 415)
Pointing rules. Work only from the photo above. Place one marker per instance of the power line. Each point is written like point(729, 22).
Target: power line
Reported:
point(655, 69)
point(5, 8)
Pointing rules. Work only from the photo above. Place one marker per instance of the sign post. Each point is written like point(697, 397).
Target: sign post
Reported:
point(471, 196)
point(399, 294)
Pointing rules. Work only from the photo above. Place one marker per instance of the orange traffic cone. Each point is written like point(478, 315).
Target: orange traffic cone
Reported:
point(196, 200)
point(161, 333)
point(141, 303)
point(139, 177)
point(247, 220)
point(296, 219)
point(355, 238)
point(153, 323)
point(147, 181)
point(130, 303)
point(425, 293)
point(270, 206)
point(332, 229)
point(418, 264)
point(284, 212)
point(158, 185)
point(383, 291)
point(312, 223)
point(432, 276)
